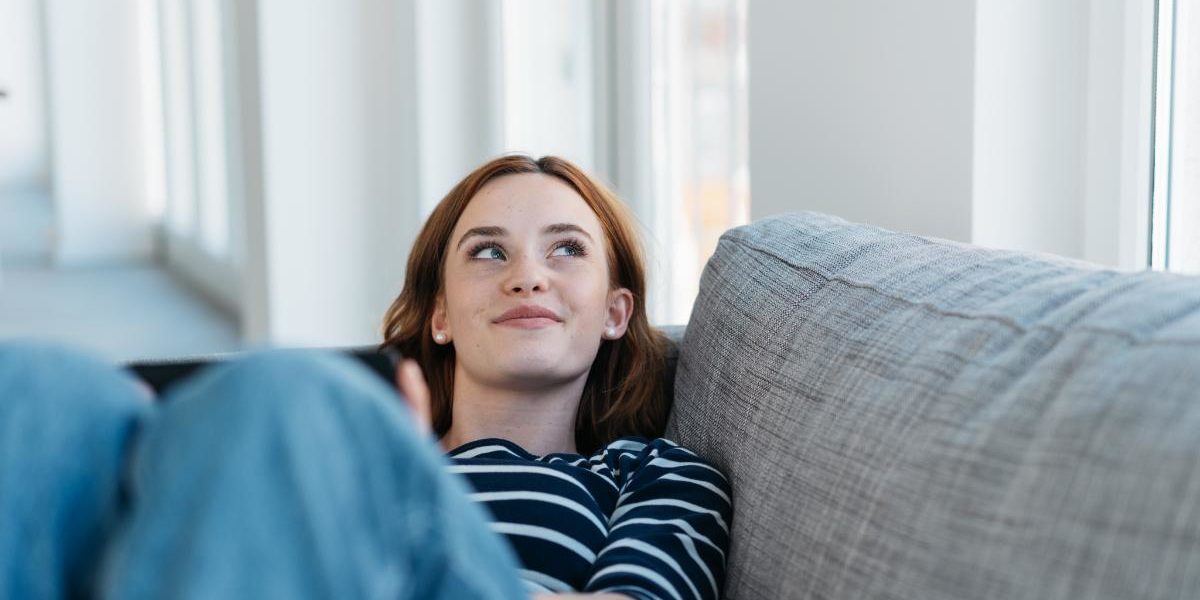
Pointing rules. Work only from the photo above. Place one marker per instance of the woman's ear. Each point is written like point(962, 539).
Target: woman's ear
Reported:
point(620, 310)
point(438, 322)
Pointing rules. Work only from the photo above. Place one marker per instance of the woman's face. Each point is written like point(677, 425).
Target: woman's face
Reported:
point(526, 300)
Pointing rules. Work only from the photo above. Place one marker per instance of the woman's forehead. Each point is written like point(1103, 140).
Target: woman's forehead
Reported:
point(527, 203)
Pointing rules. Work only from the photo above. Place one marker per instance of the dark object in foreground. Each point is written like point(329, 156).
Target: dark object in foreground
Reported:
point(161, 374)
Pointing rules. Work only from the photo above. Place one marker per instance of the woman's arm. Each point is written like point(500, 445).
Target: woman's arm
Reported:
point(669, 531)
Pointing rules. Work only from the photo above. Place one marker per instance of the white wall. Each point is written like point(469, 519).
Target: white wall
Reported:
point(863, 109)
point(24, 138)
point(96, 108)
point(1006, 123)
point(335, 209)
point(1030, 94)
point(24, 145)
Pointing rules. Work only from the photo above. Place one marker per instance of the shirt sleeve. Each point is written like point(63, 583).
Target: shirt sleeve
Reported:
point(669, 532)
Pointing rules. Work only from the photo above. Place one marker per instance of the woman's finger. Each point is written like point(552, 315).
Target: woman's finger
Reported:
point(412, 386)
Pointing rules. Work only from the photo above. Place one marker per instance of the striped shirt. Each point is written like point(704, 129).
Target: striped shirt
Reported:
point(648, 519)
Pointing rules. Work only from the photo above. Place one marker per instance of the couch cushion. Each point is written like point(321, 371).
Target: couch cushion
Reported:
point(914, 418)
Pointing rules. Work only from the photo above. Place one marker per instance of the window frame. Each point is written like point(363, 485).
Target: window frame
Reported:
point(215, 276)
point(1118, 139)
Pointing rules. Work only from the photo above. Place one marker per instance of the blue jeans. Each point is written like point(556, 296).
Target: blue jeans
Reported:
point(289, 474)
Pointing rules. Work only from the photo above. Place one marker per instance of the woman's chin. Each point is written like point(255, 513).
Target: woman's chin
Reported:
point(540, 368)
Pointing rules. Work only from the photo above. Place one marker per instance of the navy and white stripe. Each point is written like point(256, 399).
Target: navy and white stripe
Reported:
point(648, 519)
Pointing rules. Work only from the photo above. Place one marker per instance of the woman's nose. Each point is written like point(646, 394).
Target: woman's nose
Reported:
point(525, 276)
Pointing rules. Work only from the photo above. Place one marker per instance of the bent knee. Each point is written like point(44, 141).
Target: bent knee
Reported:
point(67, 415)
point(65, 381)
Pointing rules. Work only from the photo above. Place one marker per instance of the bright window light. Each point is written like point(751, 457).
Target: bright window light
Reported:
point(178, 113)
point(152, 90)
point(556, 93)
point(700, 137)
point(1176, 199)
point(210, 126)
point(548, 79)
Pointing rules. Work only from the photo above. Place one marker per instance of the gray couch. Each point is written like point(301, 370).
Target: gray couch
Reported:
point(904, 417)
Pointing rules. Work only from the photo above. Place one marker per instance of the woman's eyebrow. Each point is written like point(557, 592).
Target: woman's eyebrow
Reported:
point(486, 232)
point(565, 227)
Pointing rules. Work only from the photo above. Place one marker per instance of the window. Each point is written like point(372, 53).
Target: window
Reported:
point(662, 82)
point(1175, 245)
point(192, 49)
point(177, 115)
point(188, 50)
point(548, 79)
point(208, 71)
point(700, 138)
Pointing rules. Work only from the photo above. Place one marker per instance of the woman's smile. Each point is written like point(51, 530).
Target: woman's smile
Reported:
point(528, 316)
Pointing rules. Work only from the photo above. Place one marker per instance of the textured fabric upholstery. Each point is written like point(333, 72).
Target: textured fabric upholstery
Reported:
point(904, 417)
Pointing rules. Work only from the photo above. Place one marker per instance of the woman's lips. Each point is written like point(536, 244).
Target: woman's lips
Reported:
point(528, 322)
point(528, 316)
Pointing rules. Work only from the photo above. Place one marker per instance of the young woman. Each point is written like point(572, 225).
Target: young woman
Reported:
point(524, 301)
point(297, 474)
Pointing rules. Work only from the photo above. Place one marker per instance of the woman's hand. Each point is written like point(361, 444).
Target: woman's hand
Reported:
point(411, 383)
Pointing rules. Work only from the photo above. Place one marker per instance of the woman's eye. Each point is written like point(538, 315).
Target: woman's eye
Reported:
point(568, 249)
point(488, 253)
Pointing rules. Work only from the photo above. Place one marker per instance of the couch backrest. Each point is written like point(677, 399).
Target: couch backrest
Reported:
point(905, 417)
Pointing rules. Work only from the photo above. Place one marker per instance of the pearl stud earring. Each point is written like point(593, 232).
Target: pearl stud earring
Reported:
point(440, 338)
point(610, 332)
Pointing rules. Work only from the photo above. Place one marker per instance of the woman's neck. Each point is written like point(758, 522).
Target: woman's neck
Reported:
point(541, 421)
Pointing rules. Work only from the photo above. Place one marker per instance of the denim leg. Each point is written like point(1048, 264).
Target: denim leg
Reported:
point(298, 474)
point(67, 422)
